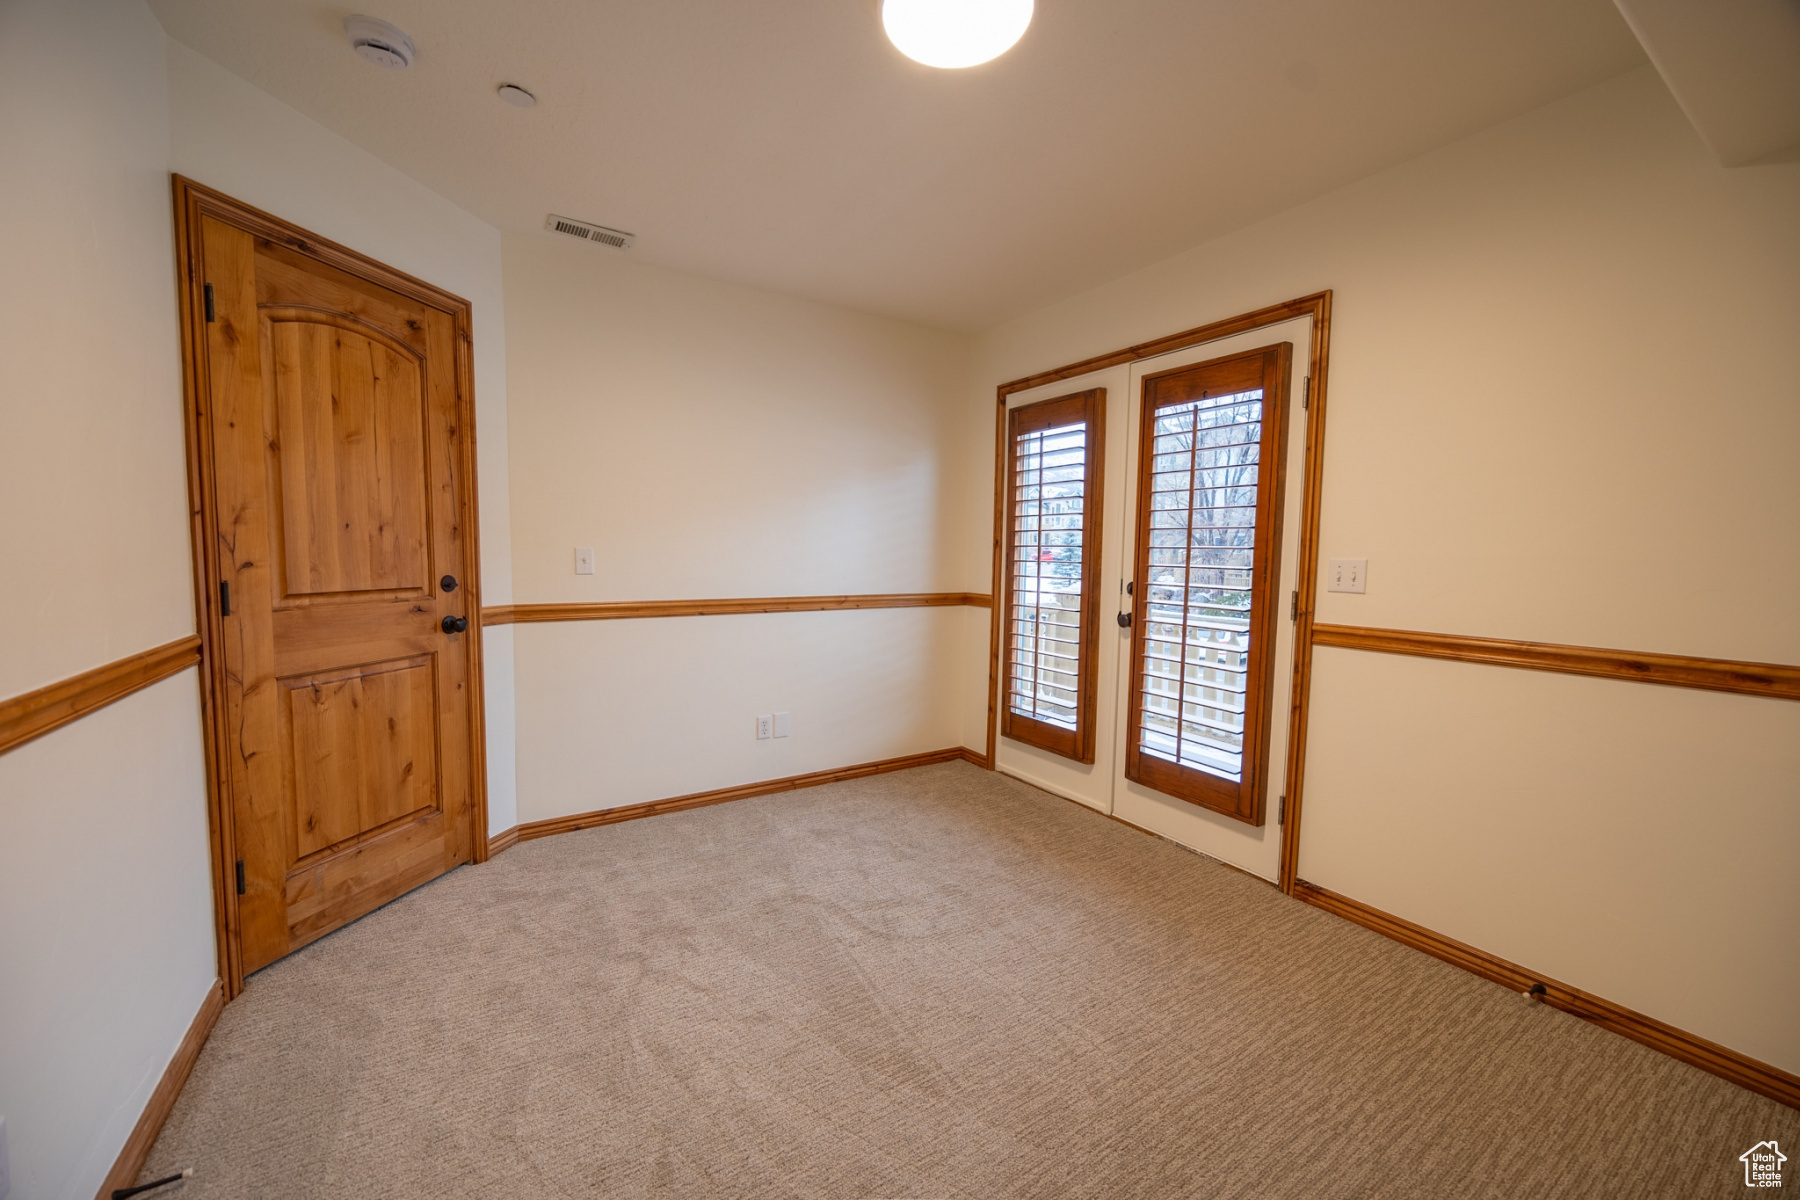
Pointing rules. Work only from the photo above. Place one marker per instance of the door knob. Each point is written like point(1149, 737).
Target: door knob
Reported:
point(455, 624)
point(1124, 620)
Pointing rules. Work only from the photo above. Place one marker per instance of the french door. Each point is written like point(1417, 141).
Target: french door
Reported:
point(1194, 568)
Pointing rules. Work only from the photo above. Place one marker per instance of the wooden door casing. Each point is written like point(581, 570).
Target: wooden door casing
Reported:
point(333, 471)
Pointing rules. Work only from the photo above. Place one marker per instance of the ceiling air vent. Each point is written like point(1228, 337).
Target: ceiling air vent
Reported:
point(618, 239)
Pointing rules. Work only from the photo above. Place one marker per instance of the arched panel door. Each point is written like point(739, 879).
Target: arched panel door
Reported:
point(331, 406)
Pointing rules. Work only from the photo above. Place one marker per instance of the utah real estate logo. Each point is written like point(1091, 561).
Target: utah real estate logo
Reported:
point(1762, 1165)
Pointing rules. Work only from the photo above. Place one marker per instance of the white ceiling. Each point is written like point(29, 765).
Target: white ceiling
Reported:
point(785, 144)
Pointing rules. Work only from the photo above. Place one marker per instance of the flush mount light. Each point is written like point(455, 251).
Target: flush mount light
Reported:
point(380, 42)
point(516, 96)
point(954, 33)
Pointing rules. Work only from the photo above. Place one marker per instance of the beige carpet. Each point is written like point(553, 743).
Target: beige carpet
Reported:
point(936, 983)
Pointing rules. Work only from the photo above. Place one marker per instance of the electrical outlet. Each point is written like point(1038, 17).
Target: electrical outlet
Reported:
point(584, 560)
point(784, 724)
point(765, 727)
point(1348, 575)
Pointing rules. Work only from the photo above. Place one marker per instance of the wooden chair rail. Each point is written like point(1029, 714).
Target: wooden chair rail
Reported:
point(36, 713)
point(1776, 680)
point(617, 610)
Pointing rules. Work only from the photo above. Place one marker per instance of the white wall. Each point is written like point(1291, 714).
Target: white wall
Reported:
point(710, 440)
point(1562, 409)
point(106, 939)
point(622, 712)
point(93, 477)
point(106, 930)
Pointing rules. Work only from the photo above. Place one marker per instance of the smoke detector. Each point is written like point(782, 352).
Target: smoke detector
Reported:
point(587, 231)
point(380, 42)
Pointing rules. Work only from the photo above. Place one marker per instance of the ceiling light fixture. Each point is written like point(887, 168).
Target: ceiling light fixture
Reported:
point(380, 42)
point(516, 96)
point(955, 33)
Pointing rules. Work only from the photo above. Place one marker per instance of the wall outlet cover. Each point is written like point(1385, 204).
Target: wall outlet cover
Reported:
point(765, 726)
point(584, 560)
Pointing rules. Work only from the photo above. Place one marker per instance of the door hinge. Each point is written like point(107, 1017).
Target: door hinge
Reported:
point(1280, 813)
point(240, 876)
point(209, 304)
point(224, 598)
point(1294, 607)
point(1305, 388)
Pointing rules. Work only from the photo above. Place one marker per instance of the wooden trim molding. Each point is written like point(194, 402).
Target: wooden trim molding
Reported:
point(131, 1158)
point(1307, 587)
point(1727, 1064)
point(1274, 314)
point(625, 610)
point(32, 715)
point(506, 839)
point(1777, 680)
point(631, 812)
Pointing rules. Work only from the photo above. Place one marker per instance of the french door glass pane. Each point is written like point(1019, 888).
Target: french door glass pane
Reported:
point(1196, 606)
point(1049, 497)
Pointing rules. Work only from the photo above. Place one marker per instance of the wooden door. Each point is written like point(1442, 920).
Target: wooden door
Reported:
point(342, 515)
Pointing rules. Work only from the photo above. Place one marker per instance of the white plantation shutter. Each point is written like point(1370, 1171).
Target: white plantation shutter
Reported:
point(1048, 493)
point(1209, 500)
point(1051, 530)
point(1196, 602)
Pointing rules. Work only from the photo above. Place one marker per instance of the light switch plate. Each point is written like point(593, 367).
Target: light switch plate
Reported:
point(784, 724)
point(765, 726)
point(584, 560)
point(1347, 575)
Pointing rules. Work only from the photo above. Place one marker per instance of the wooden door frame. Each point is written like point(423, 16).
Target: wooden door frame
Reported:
point(1318, 307)
point(193, 202)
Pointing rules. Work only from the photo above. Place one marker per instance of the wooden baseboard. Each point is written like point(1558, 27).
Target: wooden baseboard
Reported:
point(506, 839)
point(1727, 1064)
point(978, 758)
point(32, 715)
point(631, 812)
point(162, 1101)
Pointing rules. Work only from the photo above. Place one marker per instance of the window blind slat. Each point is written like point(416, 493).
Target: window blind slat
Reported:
point(1047, 542)
point(1203, 489)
